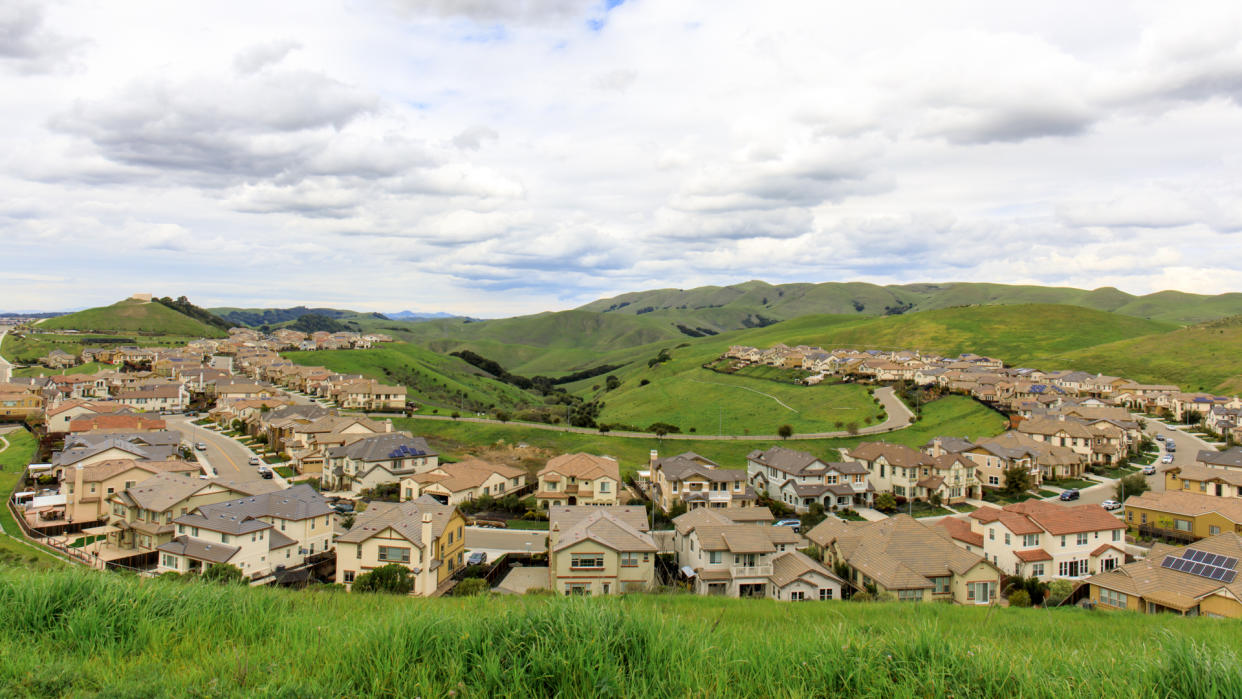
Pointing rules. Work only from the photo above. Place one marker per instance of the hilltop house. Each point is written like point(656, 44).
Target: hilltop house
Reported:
point(578, 479)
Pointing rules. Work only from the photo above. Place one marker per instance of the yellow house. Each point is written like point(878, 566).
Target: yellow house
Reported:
point(1184, 515)
point(423, 535)
point(907, 559)
point(1221, 482)
point(1200, 579)
point(579, 479)
point(600, 550)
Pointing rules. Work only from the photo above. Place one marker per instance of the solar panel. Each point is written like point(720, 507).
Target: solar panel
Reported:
point(1168, 562)
point(1229, 575)
point(1230, 563)
point(1193, 555)
point(1197, 569)
point(1217, 574)
point(1213, 560)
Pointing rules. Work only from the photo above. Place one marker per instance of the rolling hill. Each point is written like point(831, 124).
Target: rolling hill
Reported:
point(279, 317)
point(130, 316)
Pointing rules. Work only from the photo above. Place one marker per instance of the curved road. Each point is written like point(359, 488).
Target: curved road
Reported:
point(227, 457)
point(899, 417)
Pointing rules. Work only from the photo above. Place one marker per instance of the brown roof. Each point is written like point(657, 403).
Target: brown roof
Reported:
point(1057, 519)
point(404, 518)
point(104, 470)
point(586, 466)
point(795, 565)
point(1030, 555)
point(896, 454)
point(126, 422)
point(1189, 504)
point(899, 553)
point(620, 528)
point(960, 529)
point(1149, 580)
point(1198, 474)
point(471, 474)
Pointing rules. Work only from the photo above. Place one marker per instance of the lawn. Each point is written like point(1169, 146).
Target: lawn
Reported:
point(1068, 483)
point(13, 463)
point(531, 524)
point(284, 471)
point(762, 371)
point(88, 368)
point(79, 633)
point(1119, 471)
point(952, 416)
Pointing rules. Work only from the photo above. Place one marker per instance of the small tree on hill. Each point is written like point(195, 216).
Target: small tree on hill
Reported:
point(1133, 484)
point(611, 382)
point(393, 579)
point(502, 415)
point(785, 431)
point(1017, 481)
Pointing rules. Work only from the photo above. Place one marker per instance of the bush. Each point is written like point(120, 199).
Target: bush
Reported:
point(393, 579)
point(224, 574)
point(1020, 598)
point(1058, 591)
point(471, 587)
point(1133, 484)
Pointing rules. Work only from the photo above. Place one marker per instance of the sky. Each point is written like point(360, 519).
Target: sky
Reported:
point(501, 157)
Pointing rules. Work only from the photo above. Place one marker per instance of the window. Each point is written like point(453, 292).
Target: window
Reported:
point(1037, 570)
point(169, 561)
point(1082, 539)
point(994, 480)
point(349, 577)
point(1072, 569)
point(910, 595)
point(394, 554)
point(980, 593)
point(1029, 540)
point(713, 557)
point(1182, 524)
point(589, 561)
point(1116, 535)
point(629, 559)
point(797, 596)
point(825, 593)
point(942, 585)
point(224, 538)
point(577, 589)
point(991, 534)
point(603, 486)
point(1213, 530)
point(357, 550)
point(180, 528)
point(1113, 598)
point(1108, 564)
point(1006, 538)
point(1144, 518)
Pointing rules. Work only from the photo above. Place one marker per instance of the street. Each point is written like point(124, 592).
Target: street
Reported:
point(226, 457)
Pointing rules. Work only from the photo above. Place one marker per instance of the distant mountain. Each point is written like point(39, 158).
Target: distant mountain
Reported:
point(255, 317)
point(757, 303)
point(415, 317)
point(33, 314)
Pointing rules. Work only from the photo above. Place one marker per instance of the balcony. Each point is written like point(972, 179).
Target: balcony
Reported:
point(751, 571)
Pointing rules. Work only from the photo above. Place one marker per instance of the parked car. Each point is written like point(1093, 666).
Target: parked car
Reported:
point(795, 523)
point(266, 474)
point(1166, 459)
point(255, 461)
point(477, 558)
point(1150, 469)
point(343, 507)
point(1110, 504)
point(1170, 446)
point(1071, 494)
point(201, 446)
point(1159, 438)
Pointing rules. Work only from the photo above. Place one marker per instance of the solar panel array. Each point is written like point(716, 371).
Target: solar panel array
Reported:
point(1203, 564)
point(403, 451)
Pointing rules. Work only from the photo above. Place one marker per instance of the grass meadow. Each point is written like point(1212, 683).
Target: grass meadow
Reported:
point(81, 633)
point(13, 461)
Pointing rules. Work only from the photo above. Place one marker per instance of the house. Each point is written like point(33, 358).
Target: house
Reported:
point(122, 423)
point(87, 485)
point(382, 458)
point(1045, 459)
point(371, 396)
point(729, 558)
point(600, 550)
point(1183, 515)
point(800, 479)
point(908, 559)
point(578, 479)
point(142, 514)
point(308, 437)
point(58, 359)
point(697, 481)
point(167, 397)
point(453, 484)
point(1221, 482)
point(1043, 539)
point(423, 535)
point(912, 474)
point(1231, 458)
point(19, 402)
point(1200, 579)
point(88, 448)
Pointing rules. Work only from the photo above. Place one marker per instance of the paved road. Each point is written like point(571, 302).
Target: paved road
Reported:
point(899, 417)
point(226, 456)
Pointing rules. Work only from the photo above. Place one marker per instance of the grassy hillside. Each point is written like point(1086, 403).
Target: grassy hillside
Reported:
point(17, 448)
point(436, 380)
point(81, 633)
point(133, 316)
point(785, 301)
point(955, 416)
point(1205, 357)
point(281, 317)
point(28, 348)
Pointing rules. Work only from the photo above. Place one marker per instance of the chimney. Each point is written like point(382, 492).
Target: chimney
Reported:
point(388, 425)
point(425, 586)
point(655, 455)
point(936, 447)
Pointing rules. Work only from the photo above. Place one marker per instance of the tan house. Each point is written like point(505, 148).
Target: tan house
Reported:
point(579, 479)
point(601, 550)
point(908, 559)
point(697, 481)
point(453, 484)
point(423, 535)
point(87, 487)
point(799, 479)
point(1221, 482)
point(728, 558)
point(1197, 580)
point(370, 396)
point(912, 474)
point(375, 460)
point(1183, 515)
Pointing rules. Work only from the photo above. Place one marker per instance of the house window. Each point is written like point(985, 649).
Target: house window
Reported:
point(588, 561)
point(394, 554)
point(629, 559)
point(1116, 535)
point(349, 577)
point(1182, 524)
point(910, 595)
point(1113, 598)
point(603, 486)
point(1006, 538)
point(1082, 539)
point(979, 592)
point(169, 561)
point(942, 585)
point(797, 596)
point(577, 589)
point(1072, 569)
point(1037, 570)
point(713, 557)
point(1108, 564)
point(825, 593)
point(991, 535)
point(1029, 540)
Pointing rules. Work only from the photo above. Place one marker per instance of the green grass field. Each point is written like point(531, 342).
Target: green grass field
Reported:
point(88, 368)
point(81, 633)
point(955, 416)
point(28, 349)
point(13, 461)
point(133, 316)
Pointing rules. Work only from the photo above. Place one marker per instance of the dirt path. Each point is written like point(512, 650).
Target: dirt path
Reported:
point(747, 388)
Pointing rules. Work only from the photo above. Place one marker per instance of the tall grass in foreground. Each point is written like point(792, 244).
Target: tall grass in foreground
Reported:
point(82, 633)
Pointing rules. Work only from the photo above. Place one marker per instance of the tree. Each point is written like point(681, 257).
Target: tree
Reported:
point(814, 516)
point(885, 502)
point(394, 579)
point(1017, 480)
point(1133, 484)
point(611, 382)
point(470, 587)
point(224, 574)
point(785, 431)
point(455, 415)
point(502, 415)
point(1020, 598)
point(852, 428)
point(1058, 591)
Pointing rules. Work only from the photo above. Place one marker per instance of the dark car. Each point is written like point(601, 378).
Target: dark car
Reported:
point(1071, 494)
point(343, 507)
point(477, 558)
point(265, 474)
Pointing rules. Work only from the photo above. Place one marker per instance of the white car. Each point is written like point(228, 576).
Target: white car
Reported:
point(1149, 470)
point(1166, 459)
point(1110, 504)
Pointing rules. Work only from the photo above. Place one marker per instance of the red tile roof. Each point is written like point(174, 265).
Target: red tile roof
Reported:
point(1030, 555)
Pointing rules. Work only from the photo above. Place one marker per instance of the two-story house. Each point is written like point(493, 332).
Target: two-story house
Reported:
point(912, 474)
point(745, 559)
point(423, 535)
point(453, 484)
point(910, 560)
point(799, 479)
point(1196, 478)
point(697, 481)
point(87, 487)
point(1043, 539)
point(601, 550)
point(578, 479)
point(371, 461)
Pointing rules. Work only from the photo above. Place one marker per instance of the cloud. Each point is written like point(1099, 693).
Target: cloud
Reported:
point(260, 56)
point(26, 44)
point(524, 11)
point(472, 137)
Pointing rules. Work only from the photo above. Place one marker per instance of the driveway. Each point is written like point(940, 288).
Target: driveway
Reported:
point(227, 457)
point(497, 541)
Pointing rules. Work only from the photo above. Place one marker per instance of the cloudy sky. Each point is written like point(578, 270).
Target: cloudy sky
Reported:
point(496, 157)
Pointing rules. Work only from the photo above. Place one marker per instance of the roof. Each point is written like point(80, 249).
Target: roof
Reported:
point(1207, 473)
point(895, 454)
point(1035, 516)
point(199, 549)
point(788, 460)
point(960, 530)
point(682, 466)
point(1030, 555)
point(585, 466)
point(899, 553)
point(794, 565)
point(953, 445)
point(404, 518)
point(296, 503)
point(161, 491)
point(620, 528)
point(1168, 587)
point(104, 470)
point(469, 474)
point(1179, 502)
point(382, 447)
point(1231, 457)
point(721, 516)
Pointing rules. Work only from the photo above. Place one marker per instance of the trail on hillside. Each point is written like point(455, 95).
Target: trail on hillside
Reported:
point(747, 388)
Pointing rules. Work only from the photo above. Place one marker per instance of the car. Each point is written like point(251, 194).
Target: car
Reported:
point(254, 461)
point(1159, 438)
point(477, 558)
point(1110, 504)
point(487, 522)
point(343, 507)
point(266, 474)
point(1170, 446)
point(201, 446)
point(1150, 469)
point(1166, 459)
point(795, 523)
point(1071, 494)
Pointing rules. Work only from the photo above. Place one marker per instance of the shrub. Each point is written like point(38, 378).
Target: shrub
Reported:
point(393, 579)
point(644, 382)
point(471, 587)
point(885, 502)
point(1020, 598)
point(785, 431)
point(224, 574)
point(1058, 591)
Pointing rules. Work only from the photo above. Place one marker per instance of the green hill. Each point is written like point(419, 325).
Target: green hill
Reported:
point(79, 633)
point(1206, 357)
point(784, 301)
point(282, 317)
point(130, 316)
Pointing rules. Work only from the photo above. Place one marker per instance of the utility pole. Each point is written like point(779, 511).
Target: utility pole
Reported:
point(720, 426)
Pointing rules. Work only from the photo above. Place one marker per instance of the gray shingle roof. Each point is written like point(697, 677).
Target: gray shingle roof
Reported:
point(383, 447)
